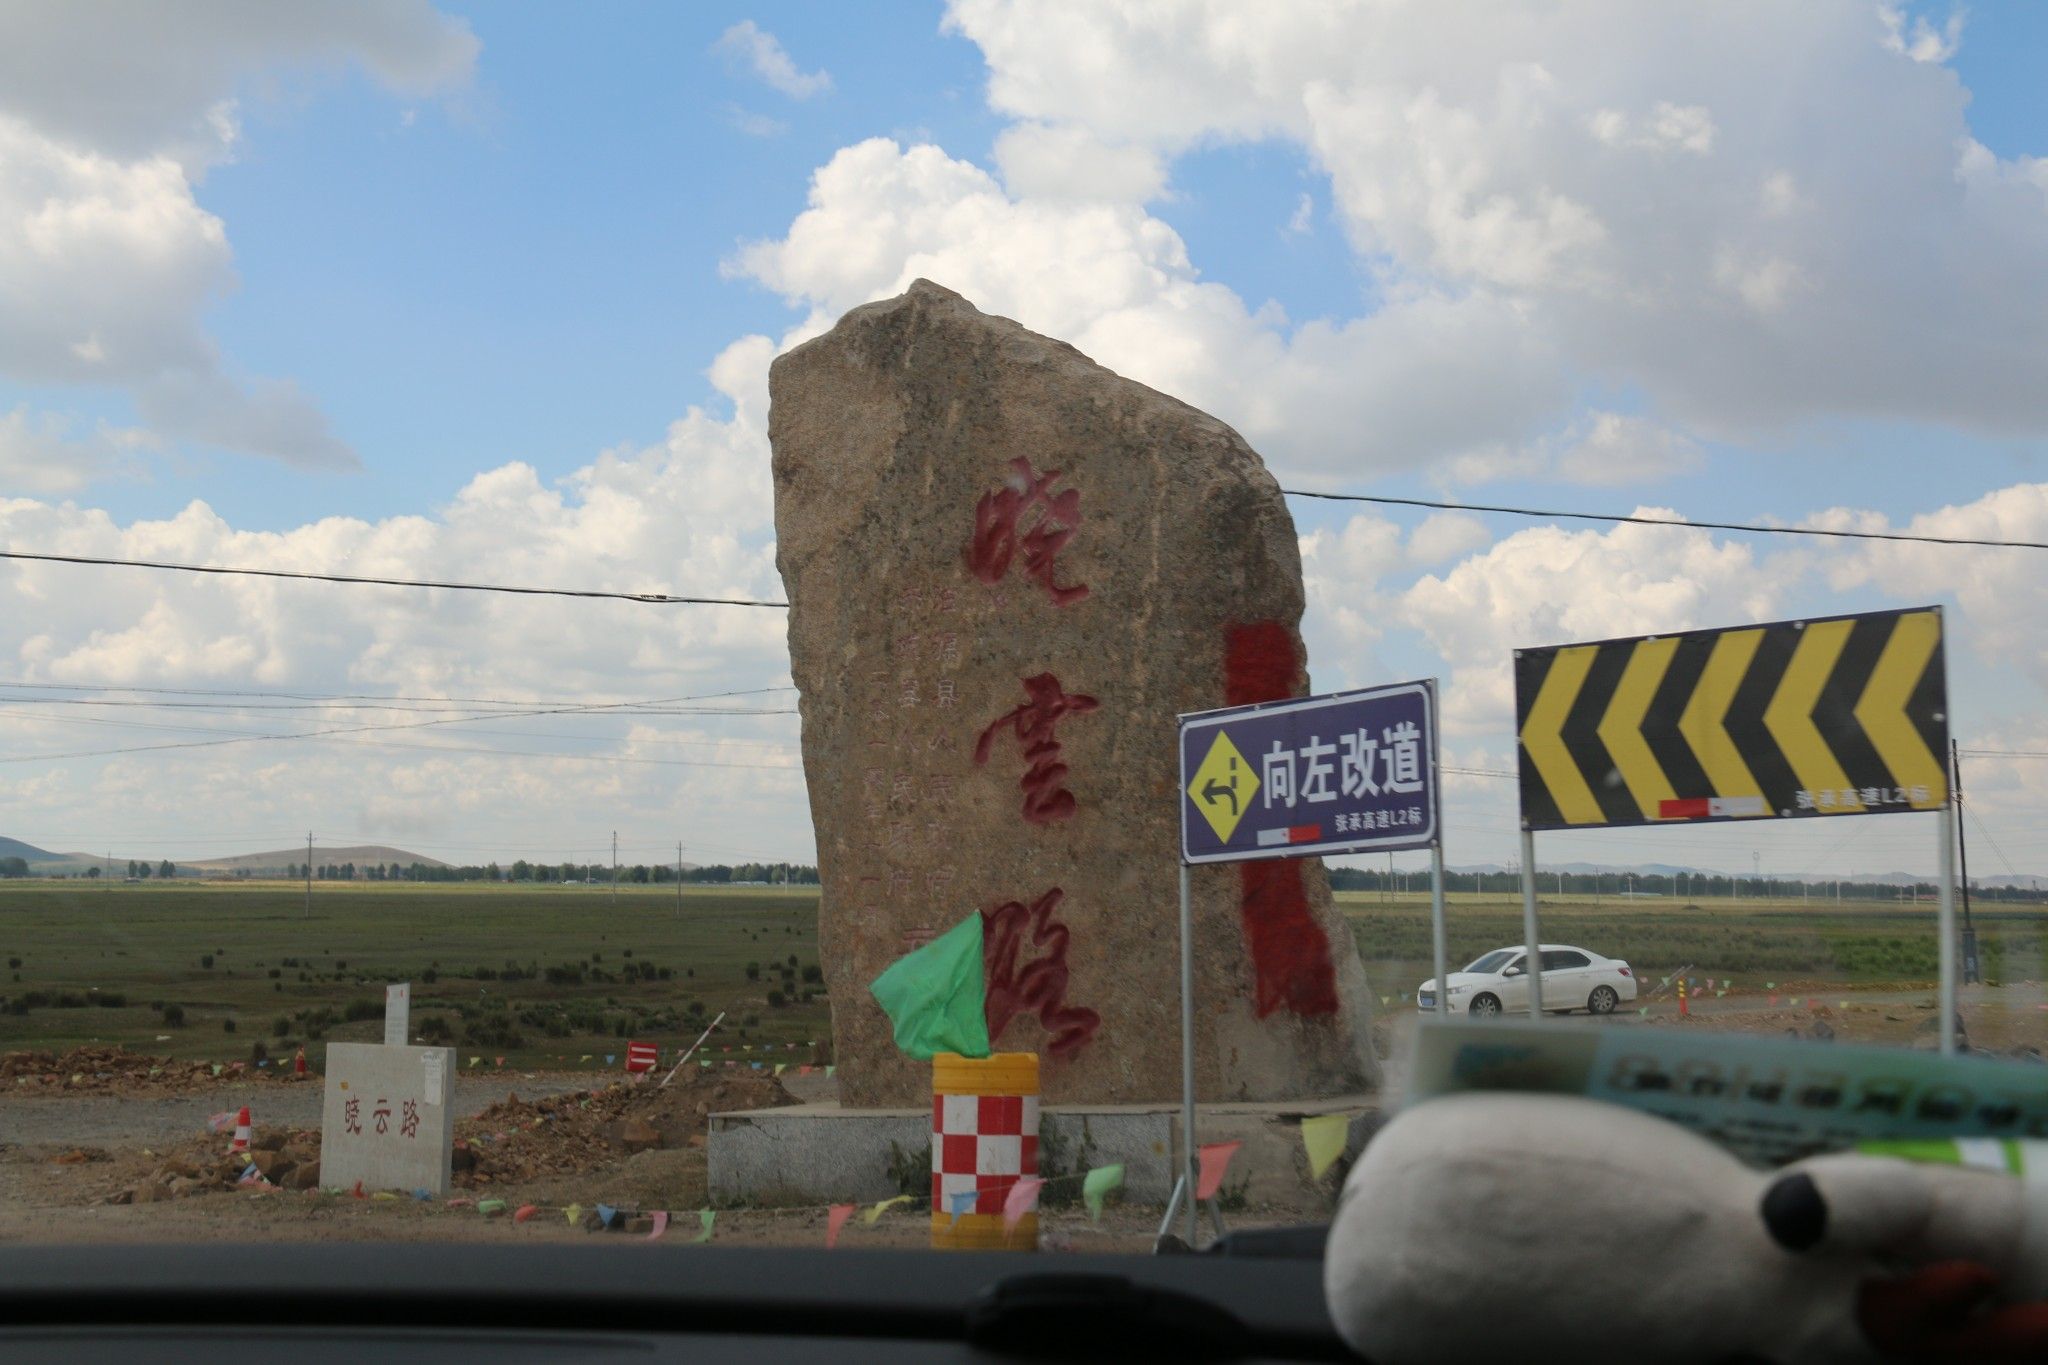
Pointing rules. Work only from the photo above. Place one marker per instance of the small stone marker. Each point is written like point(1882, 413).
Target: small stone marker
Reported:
point(1008, 570)
point(388, 1120)
point(397, 1014)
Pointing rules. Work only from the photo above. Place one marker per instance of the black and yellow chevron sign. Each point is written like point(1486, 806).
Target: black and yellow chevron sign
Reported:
point(1846, 715)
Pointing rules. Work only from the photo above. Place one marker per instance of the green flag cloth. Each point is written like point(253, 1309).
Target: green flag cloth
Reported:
point(1097, 1185)
point(934, 995)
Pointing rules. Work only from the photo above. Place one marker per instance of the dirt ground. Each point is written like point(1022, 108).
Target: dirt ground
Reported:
point(95, 1160)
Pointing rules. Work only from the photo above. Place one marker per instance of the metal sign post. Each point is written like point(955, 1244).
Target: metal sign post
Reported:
point(1349, 772)
point(1841, 715)
point(1532, 962)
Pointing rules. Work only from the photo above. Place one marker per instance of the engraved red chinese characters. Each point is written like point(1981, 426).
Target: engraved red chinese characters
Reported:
point(999, 533)
point(1039, 987)
point(1046, 800)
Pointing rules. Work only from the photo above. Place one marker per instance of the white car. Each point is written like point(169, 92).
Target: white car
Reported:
point(1573, 979)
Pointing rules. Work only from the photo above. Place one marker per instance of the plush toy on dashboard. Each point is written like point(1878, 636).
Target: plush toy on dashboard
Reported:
point(1538, 1227)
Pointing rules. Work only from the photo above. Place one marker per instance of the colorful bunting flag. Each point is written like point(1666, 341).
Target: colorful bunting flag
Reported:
point(520, 1214)
point(574, 1213)
point(475, 1060)
point(962, 1201)
point(877, 1210)
point(250, 1173)
point(423, 1194)
point(831, 1071)
point(1097, 1185)
point(781, 1067)
point(605, 1214)
point(381, 1194)
point(706, 1217)
point(660, 1221)
point(1022, 1199)
point(1214, 1161)
point(835, 1219)
point(1324, 1136)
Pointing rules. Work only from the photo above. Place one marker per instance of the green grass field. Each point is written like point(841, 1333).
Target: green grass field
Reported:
point(529, 973)
point(544, 975)
point(1748, 940)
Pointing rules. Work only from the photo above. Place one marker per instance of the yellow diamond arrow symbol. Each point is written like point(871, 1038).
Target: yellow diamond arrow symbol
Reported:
point(1223, 787)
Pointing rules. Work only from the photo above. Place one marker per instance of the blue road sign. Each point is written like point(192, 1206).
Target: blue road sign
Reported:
point(1351, 772)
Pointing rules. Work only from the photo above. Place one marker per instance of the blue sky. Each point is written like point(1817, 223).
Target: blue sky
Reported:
point(476, 237)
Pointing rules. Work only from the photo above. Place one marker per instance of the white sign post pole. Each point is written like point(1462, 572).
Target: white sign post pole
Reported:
point(397, 1014)
point(693, 1050)
point(1532, 968)
point(1439, 946)
point(1187, 1048)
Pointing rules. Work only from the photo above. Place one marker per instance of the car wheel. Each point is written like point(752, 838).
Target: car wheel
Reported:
point(1603, 1000)
point(1483, 1007)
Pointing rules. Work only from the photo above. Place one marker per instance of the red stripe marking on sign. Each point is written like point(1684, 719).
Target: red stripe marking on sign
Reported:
point(1685, 808)
point(1304, 834)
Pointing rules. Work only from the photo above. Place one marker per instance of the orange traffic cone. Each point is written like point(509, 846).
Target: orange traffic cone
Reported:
point(241, 1142)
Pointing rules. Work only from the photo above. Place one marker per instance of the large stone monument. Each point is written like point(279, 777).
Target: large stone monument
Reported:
point(1008, 569)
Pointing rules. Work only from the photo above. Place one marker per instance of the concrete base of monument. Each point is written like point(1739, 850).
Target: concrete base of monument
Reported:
point(820, 1153)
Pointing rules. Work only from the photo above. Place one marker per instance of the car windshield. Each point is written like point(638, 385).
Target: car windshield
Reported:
point(933, 626)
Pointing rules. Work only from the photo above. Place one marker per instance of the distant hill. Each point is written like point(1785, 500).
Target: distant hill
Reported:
point(15, 848)
point(256, 864)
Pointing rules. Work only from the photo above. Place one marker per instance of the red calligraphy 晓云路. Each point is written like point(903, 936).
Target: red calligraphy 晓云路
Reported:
point(1037, 987)
point(1000, 533)
point(1046, 798)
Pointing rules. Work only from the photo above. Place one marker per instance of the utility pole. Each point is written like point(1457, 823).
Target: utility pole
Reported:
point(1971, 973)
point(309, 872)
point(679, 881)
point(615, 867)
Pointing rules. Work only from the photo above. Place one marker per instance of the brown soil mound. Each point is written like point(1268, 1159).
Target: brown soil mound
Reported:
point(516, 1140)
point(106, 1068)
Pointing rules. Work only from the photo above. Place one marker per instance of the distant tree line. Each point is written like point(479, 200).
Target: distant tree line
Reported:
point(142, 871)
point(638, 874)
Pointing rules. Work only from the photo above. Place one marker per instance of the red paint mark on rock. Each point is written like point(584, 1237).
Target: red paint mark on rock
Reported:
point(1039, 987)
point(1046, 799)
point(1261, 662)
point(1290, 953)
point(999, 532)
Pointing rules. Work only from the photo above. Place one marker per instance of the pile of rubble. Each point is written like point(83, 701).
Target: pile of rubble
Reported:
point(109, 1068)
point(511, 1142)
point(517, 1140)
point(282, 1158)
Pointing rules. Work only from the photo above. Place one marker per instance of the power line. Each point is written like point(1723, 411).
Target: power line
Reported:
point(594, 709)
point(654, 598)
point(1668, 521)
point(357, 696)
